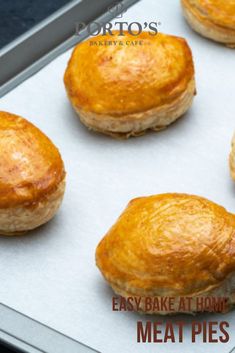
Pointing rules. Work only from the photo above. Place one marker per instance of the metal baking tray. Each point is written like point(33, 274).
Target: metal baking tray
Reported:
point(18, 61)
point(37, 47)
point(53, 297)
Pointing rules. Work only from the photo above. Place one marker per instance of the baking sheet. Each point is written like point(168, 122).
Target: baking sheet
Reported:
point(50, 274)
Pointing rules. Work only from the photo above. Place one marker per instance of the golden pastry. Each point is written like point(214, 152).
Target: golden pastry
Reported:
point(170, 245)
point(214, 19)
point(232, 159)
point(122, 90)
point(32, 176)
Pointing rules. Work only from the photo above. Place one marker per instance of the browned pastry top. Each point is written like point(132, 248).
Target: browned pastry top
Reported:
point(220, 12)
point(30, 165)
point(124, 79)
point(169, 244)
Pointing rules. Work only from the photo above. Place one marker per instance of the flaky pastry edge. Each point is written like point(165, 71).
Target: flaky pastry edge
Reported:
point(21, 219)
point(209, 29)
point(138, 123)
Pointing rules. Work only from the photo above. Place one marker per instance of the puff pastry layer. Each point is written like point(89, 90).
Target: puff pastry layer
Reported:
point(32, 176)
point(123, 90)
point(214, 19)
point(232, 159)
point(170, 245)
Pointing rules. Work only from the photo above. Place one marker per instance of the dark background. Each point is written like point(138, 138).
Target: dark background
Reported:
point(4, 349)
point(18, 16)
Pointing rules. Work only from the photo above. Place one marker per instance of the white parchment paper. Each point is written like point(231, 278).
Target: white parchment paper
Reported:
point(50, 274)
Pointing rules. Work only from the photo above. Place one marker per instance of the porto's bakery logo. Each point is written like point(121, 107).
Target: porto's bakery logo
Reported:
point(119, 25)
point(117, 10)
